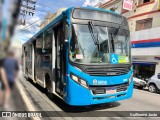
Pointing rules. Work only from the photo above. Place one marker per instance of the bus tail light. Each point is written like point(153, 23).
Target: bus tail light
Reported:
point(79, 80)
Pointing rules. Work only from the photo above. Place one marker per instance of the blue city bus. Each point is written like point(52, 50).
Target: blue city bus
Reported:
point(83, 56)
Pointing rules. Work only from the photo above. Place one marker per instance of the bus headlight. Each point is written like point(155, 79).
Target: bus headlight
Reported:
point(79, 80)
point(75, 78)
point(130, 79)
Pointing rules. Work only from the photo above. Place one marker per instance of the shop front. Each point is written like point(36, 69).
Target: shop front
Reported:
point(145, 66)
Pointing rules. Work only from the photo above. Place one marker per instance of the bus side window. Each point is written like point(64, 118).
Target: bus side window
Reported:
point(25, 53)
point(46, 42)
point(39, 45)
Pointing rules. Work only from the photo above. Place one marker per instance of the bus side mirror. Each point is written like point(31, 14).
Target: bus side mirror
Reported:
point(66, 33)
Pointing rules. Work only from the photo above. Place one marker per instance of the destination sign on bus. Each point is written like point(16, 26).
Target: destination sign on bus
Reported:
point(87, 14)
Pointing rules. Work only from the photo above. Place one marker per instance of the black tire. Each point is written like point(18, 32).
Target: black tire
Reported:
point(140, 87)
point(152, 88)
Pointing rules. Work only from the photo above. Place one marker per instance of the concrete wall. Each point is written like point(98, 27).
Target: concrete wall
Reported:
point(146, 34)
point(117, 5)
point(155, 51)
point(153, 33)
point(137, 10)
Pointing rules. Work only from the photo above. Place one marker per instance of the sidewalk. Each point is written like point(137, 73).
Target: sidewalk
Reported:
point(16, 103)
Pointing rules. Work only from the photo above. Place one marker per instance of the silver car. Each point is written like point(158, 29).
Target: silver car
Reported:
point(140, 84)
point(154, 83)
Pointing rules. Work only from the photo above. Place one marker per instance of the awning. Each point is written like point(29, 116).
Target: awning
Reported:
point(143, 63)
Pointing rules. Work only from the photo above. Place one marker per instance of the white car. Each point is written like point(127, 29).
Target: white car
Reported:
point(139, 83)
point(154, 83)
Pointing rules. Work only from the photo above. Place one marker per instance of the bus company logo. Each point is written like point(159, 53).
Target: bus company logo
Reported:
point(100, 82)
point(95, 81)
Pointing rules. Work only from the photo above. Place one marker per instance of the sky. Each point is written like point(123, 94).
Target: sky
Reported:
point(42, 8)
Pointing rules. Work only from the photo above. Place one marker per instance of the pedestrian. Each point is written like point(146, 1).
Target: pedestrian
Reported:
point(4, 82)
point(11, 68)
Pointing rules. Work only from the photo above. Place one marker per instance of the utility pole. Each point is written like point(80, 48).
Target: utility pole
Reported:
point(27, 8)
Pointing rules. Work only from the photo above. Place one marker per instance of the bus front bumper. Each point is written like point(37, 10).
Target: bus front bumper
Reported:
point(80, 96)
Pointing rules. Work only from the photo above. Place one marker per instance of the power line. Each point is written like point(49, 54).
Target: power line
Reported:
point(27, 8)
point(33, 23)
point(27, 27)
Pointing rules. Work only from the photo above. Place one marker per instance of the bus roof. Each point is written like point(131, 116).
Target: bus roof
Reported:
point(61, 16)
point(100, 9)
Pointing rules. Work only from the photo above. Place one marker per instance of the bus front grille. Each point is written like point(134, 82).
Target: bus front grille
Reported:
point(102, 89)
point(99, 91)
point(121, 88)
point(105, 71)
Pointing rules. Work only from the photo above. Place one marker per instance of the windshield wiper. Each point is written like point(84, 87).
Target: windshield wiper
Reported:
point(94, 37)
point(112, 42)
point(114, 38)
point(92, 31)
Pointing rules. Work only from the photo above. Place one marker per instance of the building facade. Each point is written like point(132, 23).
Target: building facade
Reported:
point(144, 24)
point(16, 45)
point(50, 17)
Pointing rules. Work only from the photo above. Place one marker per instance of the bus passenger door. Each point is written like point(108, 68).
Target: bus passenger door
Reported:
point(38, 56)
point(30, 61)
point(60, 61)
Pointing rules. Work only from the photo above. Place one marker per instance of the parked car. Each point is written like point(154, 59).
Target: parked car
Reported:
point(154, 83)
point(140, 84)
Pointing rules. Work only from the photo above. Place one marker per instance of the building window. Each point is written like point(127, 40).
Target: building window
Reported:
point(144, 1)
point(112, 9)
point(144, 24)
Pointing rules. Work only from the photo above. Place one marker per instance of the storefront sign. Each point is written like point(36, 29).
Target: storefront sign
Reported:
point(127, 4)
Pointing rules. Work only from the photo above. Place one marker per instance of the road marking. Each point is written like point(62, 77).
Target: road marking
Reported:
point(26, 100)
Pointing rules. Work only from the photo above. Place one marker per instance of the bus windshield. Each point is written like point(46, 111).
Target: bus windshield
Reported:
point(119, 41)
point(84, 50)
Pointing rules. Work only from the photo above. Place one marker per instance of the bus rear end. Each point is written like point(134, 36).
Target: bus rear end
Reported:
point(99, 58)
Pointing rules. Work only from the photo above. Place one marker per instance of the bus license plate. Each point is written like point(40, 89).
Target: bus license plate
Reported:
point(110, 90)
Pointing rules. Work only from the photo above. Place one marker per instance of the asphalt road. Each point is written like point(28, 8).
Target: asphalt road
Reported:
point(142, 100)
